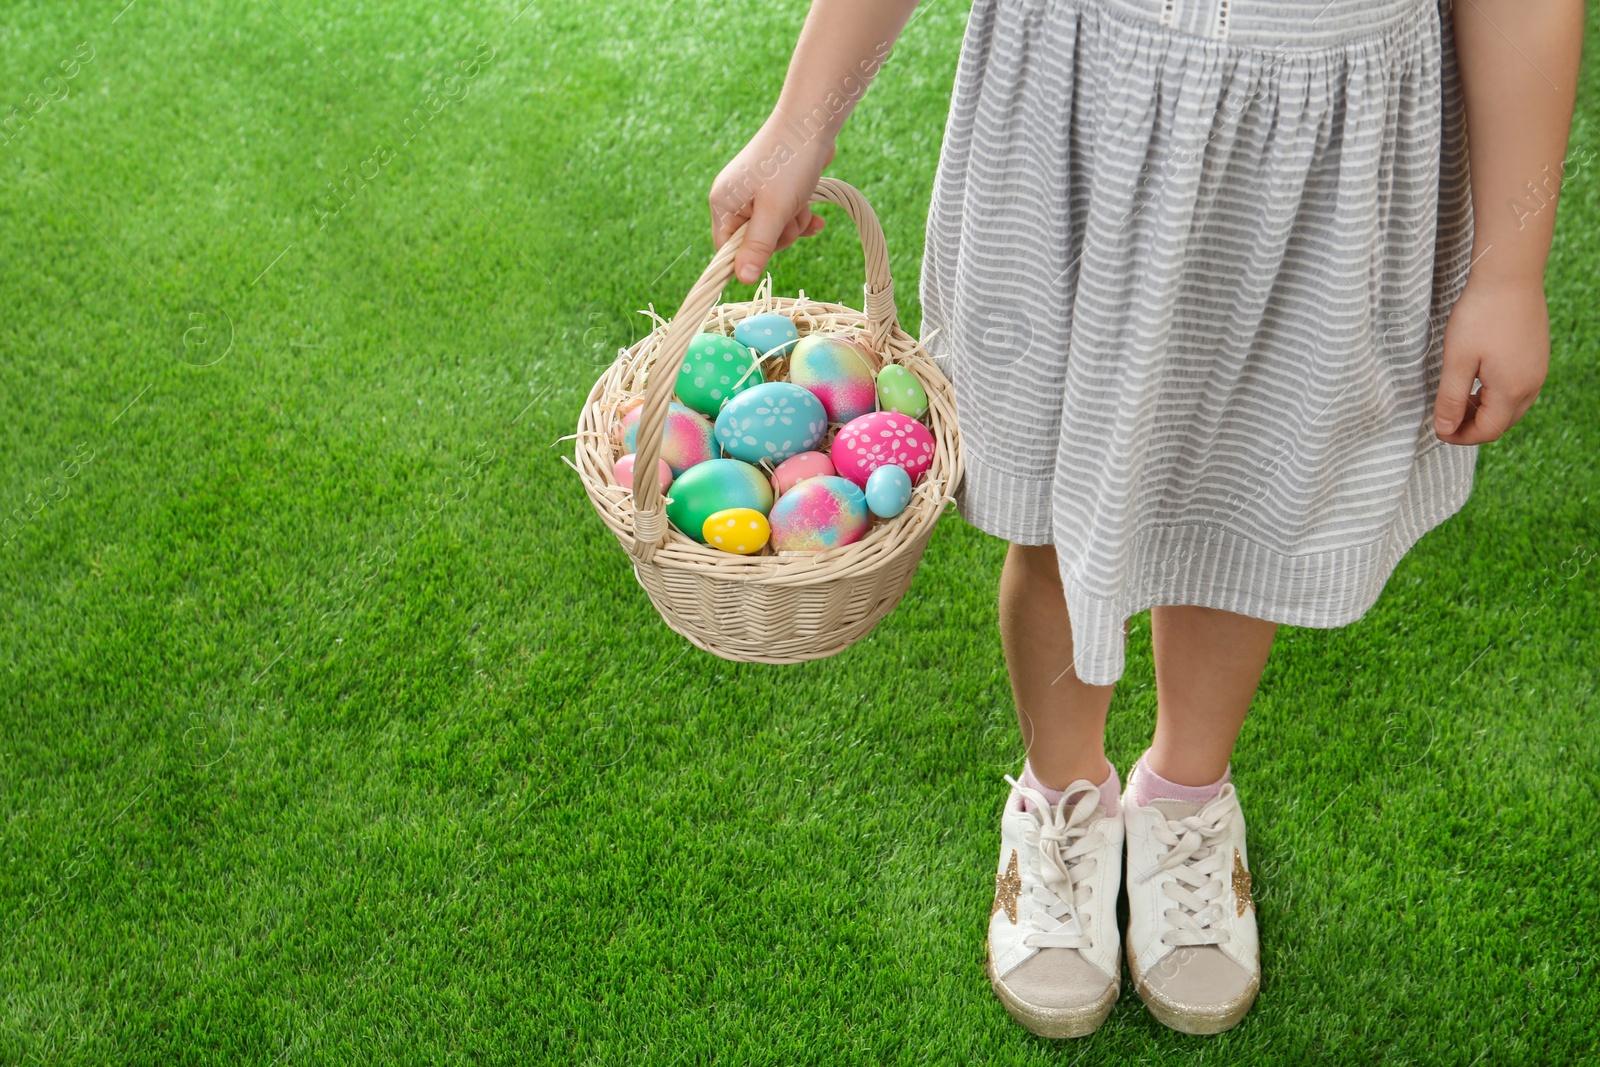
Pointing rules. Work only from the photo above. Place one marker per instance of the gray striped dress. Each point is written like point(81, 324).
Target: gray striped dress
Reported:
point(1188, 266)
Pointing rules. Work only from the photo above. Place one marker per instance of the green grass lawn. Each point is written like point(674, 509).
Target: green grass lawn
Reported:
point(334, 727)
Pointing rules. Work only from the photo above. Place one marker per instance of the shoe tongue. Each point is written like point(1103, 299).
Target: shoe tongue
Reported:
point(1177, 809)
point(1095, 816)
point(1071, 799)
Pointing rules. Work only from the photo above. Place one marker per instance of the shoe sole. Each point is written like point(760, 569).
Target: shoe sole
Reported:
point(1053, 1022)
point(1189, 1018)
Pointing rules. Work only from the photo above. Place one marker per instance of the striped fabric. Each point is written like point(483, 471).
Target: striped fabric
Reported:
point(1188, 266)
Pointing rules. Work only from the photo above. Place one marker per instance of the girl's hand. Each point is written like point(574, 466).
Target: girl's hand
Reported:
point(769, 184)
point(1499, 333)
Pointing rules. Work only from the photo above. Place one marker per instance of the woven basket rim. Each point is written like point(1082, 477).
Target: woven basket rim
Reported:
point(884, 541)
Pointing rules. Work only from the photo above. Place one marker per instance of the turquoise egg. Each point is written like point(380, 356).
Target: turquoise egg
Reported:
point(764, 333)
point(715, 369)
point(899, 390)
point(771, 422)
point(888, 491)
point(715, 485)
point(818, 513)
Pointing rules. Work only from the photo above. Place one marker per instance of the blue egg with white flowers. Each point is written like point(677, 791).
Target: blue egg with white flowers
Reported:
point(767, 333)
point(888, 491)
point(771, 421)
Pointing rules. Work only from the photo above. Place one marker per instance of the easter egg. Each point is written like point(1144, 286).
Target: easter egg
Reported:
point(879, 439)
point(772, 421)
point(619, 419)
point(687, 440)
point(836, 371)
point(714, 369)
point(741, 530)
point(797, 469)
point(888, 491)
point(767, 333)
point(899, 390)
point(623, 471)
point(818, 513)
point(713, 486)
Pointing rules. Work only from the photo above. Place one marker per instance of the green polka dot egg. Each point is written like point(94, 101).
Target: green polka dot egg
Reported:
point(899, 391)
point(715, 370)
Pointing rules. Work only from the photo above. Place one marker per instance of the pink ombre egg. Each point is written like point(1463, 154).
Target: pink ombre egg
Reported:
point(836, 371)
point(623, 472)
point(880, 439)
point(687, 438)
point(818, 513)
point(797, 469)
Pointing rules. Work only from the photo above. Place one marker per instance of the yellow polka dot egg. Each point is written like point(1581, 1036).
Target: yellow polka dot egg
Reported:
point(741, 530)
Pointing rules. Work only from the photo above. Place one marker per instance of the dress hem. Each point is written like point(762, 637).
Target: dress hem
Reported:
point(1231, 572)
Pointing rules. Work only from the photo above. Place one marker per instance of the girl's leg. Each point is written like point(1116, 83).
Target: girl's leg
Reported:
point(1063, 721)
point(1208, 665)
point(1056, 970)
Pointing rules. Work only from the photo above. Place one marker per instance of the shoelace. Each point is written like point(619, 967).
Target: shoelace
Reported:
point(1199, 868)
point(1065, 841)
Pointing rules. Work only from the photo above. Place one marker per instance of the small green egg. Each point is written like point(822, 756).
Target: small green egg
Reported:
point(899, 391)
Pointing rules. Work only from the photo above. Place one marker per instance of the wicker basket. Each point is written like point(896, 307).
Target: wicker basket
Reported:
point(768, 607)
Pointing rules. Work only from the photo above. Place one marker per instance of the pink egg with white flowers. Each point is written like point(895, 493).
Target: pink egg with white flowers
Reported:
point(797, 469)
point(880, 439)
point(623, 472)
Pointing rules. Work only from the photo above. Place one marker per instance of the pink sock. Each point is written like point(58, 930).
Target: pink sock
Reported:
point(1145, 785)
point(1110, 789)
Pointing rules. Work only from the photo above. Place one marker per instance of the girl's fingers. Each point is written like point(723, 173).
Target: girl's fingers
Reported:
point(725, 218)
point(758, 247)
point(1488, 416)
point(1455, 389)
point(760, 241)
point(791, 231)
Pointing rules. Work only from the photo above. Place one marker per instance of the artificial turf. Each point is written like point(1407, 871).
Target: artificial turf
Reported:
point(335, 728)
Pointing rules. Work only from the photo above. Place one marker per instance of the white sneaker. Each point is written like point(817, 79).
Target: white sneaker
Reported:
point(1054, 958)
point(1192, 945)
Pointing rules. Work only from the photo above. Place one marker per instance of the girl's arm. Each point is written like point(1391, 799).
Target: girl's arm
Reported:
point(1518, 61)
point(769, 183)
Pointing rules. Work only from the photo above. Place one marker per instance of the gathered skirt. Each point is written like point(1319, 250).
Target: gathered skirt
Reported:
point(1188, 266)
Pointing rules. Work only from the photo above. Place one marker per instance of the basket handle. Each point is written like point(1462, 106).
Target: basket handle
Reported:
point(649, 514)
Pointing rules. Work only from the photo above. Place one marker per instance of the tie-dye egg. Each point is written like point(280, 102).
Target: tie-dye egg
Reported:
point(713, 486)
point(741, 530)
point(767, 333)
point(879, 439)
point(797, 469)
point(623, 472)
point(836, 371)
point(715, 369)
point(620, 418)
point(818, 513)
point(771, 422)
point(688, 438)
point(888, 491)
point(899, 391)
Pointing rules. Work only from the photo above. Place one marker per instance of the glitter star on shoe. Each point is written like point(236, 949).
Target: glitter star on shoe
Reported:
point(1054, 958)
point(1192, 943)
